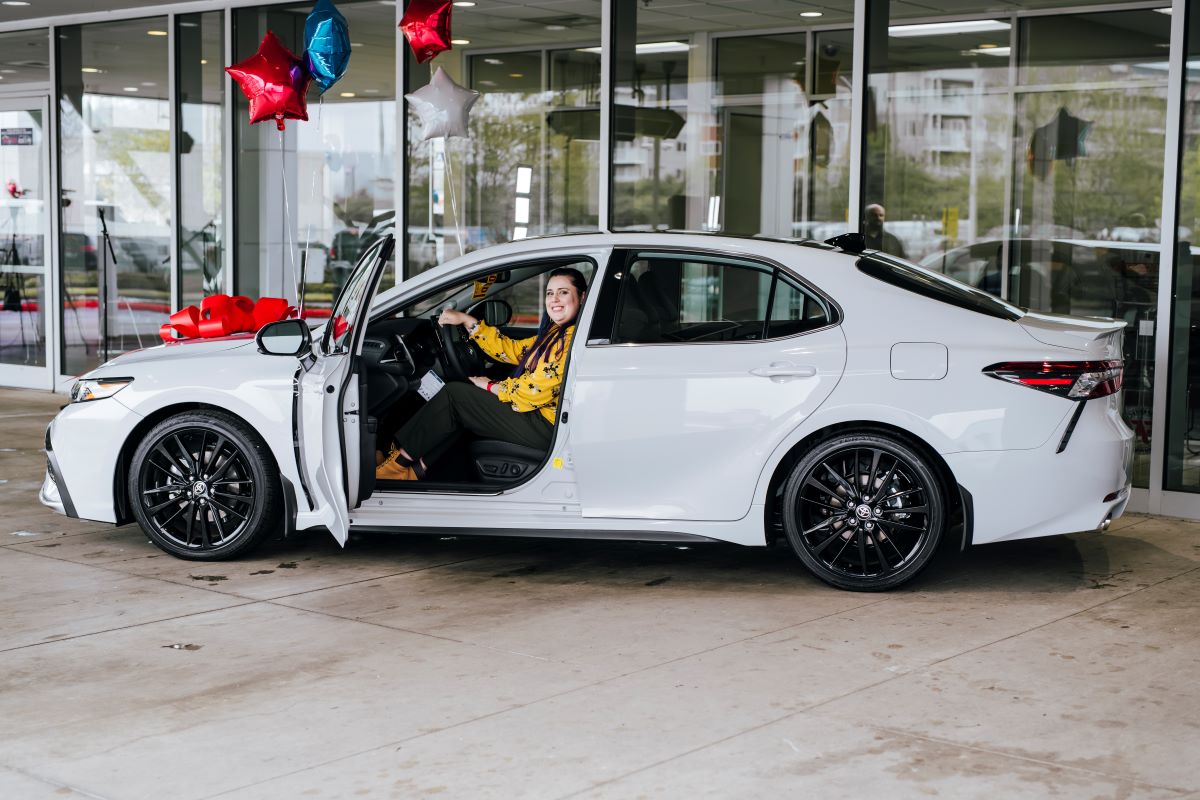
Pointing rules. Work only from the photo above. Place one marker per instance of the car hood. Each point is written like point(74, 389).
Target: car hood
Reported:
point(184, 348)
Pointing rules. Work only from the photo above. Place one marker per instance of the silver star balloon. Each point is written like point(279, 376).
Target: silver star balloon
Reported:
point(443, 106)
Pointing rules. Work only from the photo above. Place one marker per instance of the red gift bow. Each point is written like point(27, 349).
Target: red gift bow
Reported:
point(222, 315)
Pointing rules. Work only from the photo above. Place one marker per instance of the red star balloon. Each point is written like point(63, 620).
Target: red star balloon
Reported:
point(426, 26)
point(275, 82)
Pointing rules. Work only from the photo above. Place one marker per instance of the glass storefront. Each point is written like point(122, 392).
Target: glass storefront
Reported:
point(718, 126)
point(1033, 173)
point(531, 163)
point(115, 178)
point(199, 143)
point(311, 199)
point(1183, 399)
point(25, 208)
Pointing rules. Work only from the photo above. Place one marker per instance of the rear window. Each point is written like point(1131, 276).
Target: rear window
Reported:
point(936, 286)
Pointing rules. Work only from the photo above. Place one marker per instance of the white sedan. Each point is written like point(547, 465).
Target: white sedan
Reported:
point(718, 388)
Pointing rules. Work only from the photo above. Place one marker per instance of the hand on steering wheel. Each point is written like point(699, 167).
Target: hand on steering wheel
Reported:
point(460, 357)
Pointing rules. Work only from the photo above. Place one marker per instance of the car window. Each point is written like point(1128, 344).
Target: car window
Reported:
point(527, 297)
point(358, 290)
point(796, 310)
point(522, 286)
point(681, 298)
point(930, 284)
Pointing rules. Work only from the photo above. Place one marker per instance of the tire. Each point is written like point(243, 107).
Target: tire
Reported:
point(204, 487)
point(864, 511)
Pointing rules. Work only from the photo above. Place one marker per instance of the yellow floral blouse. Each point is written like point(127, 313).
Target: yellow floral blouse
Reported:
point(539, 387)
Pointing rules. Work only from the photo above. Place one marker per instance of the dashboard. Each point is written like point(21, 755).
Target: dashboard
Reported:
point(397, 352)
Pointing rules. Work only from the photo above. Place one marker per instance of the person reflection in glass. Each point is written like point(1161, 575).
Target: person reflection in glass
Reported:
point(877, 238)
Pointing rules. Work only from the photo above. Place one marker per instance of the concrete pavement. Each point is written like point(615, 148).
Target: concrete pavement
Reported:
point(451, 667)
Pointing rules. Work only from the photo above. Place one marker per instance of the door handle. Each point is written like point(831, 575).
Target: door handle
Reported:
point(782, 371)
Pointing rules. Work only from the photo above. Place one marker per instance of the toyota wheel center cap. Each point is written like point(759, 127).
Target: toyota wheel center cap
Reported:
point(863, 511)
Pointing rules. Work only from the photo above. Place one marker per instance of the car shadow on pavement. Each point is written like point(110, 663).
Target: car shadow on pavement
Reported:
point(1053, 564)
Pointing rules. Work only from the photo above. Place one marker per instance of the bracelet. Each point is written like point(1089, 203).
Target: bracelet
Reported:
point(490, 385)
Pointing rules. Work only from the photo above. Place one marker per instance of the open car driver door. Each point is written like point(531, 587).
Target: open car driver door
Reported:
point(332, 410)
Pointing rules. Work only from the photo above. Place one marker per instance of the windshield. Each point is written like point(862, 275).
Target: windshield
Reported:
point(936, 286)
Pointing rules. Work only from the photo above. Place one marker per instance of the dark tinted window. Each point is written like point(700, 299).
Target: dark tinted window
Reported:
point(937, 287)
point(795, 310)
point(672, 297)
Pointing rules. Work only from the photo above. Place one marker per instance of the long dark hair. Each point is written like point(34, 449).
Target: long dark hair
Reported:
point(549, 334)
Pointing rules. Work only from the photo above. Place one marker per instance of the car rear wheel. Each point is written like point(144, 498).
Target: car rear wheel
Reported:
point(864, 511)
point(204, 486)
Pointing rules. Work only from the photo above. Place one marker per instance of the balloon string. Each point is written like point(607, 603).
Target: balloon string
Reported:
point(287, 218)
point(453, 203)
point(312, 196)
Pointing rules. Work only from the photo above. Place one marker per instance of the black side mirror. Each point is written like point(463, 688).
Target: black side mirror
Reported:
point(494, 312)
point(287, 337)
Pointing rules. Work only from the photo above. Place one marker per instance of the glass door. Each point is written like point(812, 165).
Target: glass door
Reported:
point(24, 243)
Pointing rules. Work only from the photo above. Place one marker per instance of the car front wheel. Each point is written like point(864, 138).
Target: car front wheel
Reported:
point(204, 486)
point(864, 511)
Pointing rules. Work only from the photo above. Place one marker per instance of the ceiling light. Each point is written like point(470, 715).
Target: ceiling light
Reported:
point(648, 47)
point(516, 74)
point(990, 51)
point(370, 91)
point(460, 41)
point(941, 28)
point(9, 71)
point(811, 14)
point(14, 3)
point(357, 44)
point(464, 4)
point(987, 46)
point(89, 70)
point(189, 24)
point(131, 88)
point(492, 61)
point(347, 94)
point(204, 61)
point(487, 83)
point(556, 27)
point(149, 83)
point(156, 33)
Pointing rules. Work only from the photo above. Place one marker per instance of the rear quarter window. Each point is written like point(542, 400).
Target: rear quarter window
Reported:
point(935, 286)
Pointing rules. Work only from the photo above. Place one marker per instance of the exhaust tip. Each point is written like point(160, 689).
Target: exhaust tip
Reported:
point(1104, 525)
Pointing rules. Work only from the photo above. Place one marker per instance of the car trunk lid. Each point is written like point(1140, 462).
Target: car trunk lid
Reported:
point(1099, 337)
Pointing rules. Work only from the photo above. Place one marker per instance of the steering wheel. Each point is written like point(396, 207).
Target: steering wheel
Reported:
point(461, 357)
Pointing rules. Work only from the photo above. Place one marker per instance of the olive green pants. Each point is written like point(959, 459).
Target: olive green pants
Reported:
point(465, 407)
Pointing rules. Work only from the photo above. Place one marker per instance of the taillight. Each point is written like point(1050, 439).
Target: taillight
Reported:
point(1074, 380)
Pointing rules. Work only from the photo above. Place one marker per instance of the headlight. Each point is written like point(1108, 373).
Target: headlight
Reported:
point(97, 388)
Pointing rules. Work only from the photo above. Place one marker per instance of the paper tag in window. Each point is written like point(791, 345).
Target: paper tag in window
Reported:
point(1145, 327)
point(430, 385)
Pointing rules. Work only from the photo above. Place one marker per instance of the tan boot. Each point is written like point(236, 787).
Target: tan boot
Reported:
point(392, 470)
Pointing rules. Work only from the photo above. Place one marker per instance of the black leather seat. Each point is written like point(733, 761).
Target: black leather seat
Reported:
point(504, 462)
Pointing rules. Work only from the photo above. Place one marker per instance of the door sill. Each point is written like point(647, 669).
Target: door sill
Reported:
point(426, 487)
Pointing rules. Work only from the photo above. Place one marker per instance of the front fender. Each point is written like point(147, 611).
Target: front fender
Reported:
point(260, 392)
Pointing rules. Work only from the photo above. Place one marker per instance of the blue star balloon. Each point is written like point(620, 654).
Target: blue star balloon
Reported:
point(326, 44)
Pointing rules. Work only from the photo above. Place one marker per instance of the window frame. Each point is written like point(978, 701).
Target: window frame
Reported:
point(608, 301)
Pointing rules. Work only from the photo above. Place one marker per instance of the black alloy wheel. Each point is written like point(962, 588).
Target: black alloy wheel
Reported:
point(864, 512)
point(203, 486)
